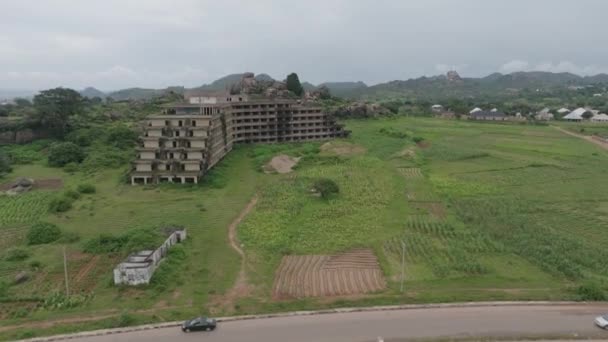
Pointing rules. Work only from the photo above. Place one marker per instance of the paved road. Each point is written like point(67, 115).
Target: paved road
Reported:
point(507, 321)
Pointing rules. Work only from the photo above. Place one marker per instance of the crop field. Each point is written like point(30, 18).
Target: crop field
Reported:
point(350, 273)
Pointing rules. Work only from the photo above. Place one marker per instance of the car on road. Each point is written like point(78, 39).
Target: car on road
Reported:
point(602, 321)
point(199, 323)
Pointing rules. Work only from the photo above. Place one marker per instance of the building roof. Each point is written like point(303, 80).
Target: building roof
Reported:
point(476, 109)
point(485, 113)
point(600, 117)
point(576, 114)
point(563, 110)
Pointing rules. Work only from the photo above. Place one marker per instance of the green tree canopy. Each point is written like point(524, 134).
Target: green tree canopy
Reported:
point(5, 163)
point(294, 85)
point(55, 106)
point(61, 154)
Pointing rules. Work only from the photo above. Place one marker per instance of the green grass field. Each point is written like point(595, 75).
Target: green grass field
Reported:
point(486, 212)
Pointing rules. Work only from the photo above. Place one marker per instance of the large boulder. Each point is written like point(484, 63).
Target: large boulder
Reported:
point(21, 277)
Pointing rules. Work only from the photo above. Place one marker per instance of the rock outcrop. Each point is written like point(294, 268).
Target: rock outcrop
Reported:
point(361, 110)
point(453, 76)
point(267, 87)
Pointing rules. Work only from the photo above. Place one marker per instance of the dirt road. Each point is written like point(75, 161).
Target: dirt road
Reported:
point(563, 321)
point(590, 139)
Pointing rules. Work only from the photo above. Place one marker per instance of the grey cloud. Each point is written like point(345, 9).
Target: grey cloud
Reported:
point(154, 43)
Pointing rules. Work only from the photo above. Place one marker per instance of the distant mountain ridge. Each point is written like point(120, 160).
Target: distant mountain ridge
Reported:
point(433, 86)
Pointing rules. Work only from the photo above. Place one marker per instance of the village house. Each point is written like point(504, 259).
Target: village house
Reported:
point(578, 114)
point(437, 108)
point(544, 115)
point(493, 115)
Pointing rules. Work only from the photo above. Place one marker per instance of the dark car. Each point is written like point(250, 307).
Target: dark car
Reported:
point(199, 323)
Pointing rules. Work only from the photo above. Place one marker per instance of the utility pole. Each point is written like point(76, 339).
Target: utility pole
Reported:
point(402, 264)
point(65, 271)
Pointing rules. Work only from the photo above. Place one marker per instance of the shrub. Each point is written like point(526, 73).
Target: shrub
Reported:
point(70, 167)
point(73, 194)
point(16, 254)
point(61, 154)
point(590, 291)
point(125, 320)
point(3, 289)
point(121, 137)
point(5, 164)
point(43, 232)
point(35, 264)
point(326, 187)
point(104, 244)
point(60, 204)
point(418, 139)
point(69, 237)
point(86, 188)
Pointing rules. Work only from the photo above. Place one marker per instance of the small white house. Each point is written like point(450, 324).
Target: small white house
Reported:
point(600, 118)
point(437, 108)
point(139, 267)
point(544, 115)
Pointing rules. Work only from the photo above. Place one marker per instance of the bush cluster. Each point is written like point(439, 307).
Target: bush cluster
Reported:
point(326, 187)
point(42, 233)
point(64, 153)
point(86, 188)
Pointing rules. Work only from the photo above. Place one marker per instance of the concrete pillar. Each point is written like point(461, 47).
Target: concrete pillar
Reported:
point(145, 180)
point(195, 180)
point(183, 180)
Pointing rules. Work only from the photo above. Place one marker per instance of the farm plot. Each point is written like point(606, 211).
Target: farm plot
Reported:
point(442, 247)
point(351, 273)
point(23, 209)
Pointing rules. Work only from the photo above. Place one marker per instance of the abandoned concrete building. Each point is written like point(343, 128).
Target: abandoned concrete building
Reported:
point(139, 267)
point(190, 138)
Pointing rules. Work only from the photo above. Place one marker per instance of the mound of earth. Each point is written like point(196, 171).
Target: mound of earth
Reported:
point(281, 164)
point(342, 148)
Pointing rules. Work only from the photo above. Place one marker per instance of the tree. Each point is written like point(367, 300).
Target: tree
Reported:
point(61, 154)
point(587, 115)
point(21, 102)
point(55, 106)
point(5, 163)
point(324, 93)
point(294, 85)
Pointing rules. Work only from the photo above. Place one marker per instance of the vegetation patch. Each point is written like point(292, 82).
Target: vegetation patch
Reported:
point(43, 232)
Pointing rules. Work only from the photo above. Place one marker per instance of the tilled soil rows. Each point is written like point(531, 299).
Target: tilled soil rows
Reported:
point(350, 273)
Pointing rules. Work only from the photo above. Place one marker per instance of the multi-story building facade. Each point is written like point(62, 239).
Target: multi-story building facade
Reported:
point(190, 138)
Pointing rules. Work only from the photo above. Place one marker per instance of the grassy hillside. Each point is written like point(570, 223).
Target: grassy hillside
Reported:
point(486, 212)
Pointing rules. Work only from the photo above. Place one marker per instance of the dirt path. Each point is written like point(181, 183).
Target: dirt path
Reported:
point(590, 139)
point(241, 288)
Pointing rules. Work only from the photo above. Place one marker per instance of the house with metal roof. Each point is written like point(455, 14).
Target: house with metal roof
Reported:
point(578, 114)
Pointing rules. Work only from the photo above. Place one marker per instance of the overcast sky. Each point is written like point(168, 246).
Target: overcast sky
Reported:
point(114, 44)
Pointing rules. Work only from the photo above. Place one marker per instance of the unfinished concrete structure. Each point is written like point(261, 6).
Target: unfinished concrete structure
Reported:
point(190, 138)
point(139, 267)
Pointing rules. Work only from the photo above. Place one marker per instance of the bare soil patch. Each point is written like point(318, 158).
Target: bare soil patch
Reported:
point(342, 148)
point(423, 144)
point(347, 274)
point(49, 183)
point(281, 164)
point(411, 172)
point(436, 209)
